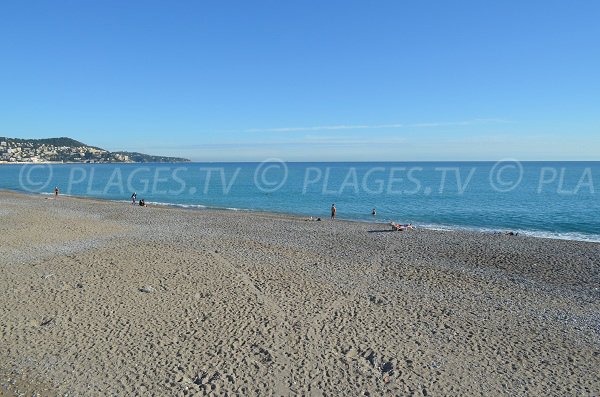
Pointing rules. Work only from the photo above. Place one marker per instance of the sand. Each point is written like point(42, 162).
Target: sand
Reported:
point(100, 298)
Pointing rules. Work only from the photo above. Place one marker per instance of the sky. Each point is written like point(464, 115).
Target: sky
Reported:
point(306, 80)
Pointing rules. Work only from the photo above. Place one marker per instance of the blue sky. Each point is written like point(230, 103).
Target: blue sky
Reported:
point(306, 80)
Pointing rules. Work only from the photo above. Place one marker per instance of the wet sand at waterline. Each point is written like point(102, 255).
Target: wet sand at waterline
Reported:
point(101, 298)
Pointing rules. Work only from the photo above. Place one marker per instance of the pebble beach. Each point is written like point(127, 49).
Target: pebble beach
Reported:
point(100, 298)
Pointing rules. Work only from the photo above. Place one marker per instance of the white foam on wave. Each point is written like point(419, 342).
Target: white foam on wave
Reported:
point(61, 194)
point(574, 236)
point(120, 201)
point(176, 205)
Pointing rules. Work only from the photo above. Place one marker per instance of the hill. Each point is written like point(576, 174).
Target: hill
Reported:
point(69, 150)
point(147, 158)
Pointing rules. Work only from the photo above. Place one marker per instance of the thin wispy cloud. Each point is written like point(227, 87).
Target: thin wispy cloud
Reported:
point(379, 126)
point(326, 128)
point(297, 142)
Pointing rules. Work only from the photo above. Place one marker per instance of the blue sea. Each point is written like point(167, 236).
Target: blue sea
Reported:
point(545, 199)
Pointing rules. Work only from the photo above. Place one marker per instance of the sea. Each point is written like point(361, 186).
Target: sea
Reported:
point(544, 199)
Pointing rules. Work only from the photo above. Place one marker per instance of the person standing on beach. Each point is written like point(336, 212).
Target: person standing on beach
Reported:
point(333, 211)
point(56, 191)
point(133, 198)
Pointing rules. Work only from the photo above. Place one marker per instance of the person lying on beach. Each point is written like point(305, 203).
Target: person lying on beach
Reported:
point(396, 226)
point(399, 227)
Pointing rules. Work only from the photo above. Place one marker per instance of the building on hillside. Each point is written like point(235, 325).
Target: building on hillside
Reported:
point(122, 157)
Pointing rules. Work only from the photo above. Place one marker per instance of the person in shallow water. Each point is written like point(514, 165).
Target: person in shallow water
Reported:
point(333, 211)
point(373, 212)
point(133, 197)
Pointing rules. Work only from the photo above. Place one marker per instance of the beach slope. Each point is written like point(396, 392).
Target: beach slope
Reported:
point(101, 298)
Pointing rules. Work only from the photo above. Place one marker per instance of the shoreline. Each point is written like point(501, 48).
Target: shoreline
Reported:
point(568, 236)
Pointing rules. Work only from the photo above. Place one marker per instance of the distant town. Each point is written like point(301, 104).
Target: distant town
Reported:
point(67, 150)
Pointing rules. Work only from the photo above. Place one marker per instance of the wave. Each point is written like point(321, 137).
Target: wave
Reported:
point(193, 206)
point(200, 206)
point(61, 194)
point(573, 236)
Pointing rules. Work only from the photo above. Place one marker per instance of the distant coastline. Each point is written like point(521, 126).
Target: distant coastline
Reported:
point(69, 151)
